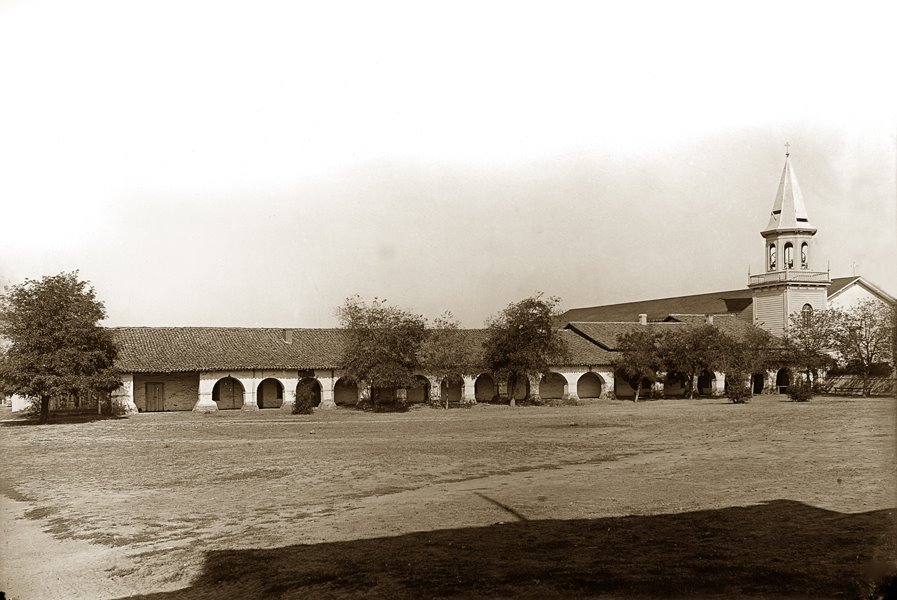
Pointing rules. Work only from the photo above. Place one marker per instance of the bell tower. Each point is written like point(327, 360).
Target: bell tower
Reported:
point(789, 284)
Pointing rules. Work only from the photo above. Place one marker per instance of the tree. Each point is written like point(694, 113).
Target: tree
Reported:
point(383, 344)
point(56, 347)
point(691, 350)
point(522, 341)
point(444, 353)
point(809, 340)
point(741, 357)
point(864, 335)
point(639, 358)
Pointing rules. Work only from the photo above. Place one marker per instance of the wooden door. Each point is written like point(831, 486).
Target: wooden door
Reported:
point(154, 397)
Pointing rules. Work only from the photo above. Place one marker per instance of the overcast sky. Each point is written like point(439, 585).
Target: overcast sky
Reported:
point(254, 163)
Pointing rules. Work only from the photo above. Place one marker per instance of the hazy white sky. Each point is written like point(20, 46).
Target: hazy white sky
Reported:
point(254, 163)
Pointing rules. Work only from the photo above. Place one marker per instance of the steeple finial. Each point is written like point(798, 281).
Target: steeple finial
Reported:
point(787, 149)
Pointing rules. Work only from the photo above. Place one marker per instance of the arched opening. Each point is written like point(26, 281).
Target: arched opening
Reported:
point(675, 385)
point(269, 393)
point(804, 256)
point(789, 256)
point(228, 393)
point(419, 391)
point(552, 386)
point(757, 381)
point(772, 258)
point(484, 388)
point(521, 390)
point(783, 380)
point(589, 386)
point(345, 392)
point(624, 386)
point(310, 388)
point(451, 389)
point(706, 383)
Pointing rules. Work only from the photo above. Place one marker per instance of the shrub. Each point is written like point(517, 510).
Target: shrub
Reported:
point(800, 392)
point(739, 394)
point(305, 398)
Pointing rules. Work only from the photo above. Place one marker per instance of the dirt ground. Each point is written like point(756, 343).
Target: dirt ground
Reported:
point(669, 498)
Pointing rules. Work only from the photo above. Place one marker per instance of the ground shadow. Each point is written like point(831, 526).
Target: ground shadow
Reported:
point(781, 549)
point(60, 419)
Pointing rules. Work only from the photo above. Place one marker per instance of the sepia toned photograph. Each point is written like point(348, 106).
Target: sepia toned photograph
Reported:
point(408, 300)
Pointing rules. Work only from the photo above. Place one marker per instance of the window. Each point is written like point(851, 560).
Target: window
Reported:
point(804, 248)
point(788, 259)
point(806, 314)
point(772, 257)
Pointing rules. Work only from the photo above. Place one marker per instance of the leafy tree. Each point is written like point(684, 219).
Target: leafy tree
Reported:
point(56, 347)
point(810, 340)
point(444, 353)
point(383, 343)
point(639, 357)
point(741, 357)
point(864, 335)
point(691, 350)
point(522, 341)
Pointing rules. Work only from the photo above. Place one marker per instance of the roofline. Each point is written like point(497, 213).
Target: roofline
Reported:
point(869, 286)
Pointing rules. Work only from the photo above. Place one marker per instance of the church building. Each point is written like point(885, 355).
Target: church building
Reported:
point(217, 368)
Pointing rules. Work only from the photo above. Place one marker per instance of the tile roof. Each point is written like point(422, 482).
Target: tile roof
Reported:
point(732, 302)
point(190, 349)
point(187, 349)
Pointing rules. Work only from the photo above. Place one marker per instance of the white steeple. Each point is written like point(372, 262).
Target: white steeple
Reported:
point(788, 212)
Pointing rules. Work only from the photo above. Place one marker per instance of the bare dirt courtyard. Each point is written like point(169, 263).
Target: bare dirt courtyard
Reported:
point(670, 498)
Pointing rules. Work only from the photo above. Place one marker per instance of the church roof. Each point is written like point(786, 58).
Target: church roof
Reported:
point(731, 302)
point(607, 335)
point(788, 211)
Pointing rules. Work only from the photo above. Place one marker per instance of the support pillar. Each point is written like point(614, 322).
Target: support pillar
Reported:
point(124, 396)
point(534, 395)
point(719, 383)
point(608, 384)
point(364, 393)
point(205, 404)
point(435, 390)
point(328, 398)
point(502, 391)
point(468, 392)
point(289, 393)
point(570, 391)
point(250, 391)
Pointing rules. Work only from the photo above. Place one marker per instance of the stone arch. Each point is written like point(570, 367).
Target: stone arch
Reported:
point(757, 382)
point(419, 391)
point(451, 390)
point(269, 393)
point(706, 381)
point(522, 389)
point(551, 387)
point(589, 386)
point(484, 388)
point(312, 387)
point(783, 380)
point(675, 385)
point(228, 393)
point(345, 392)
